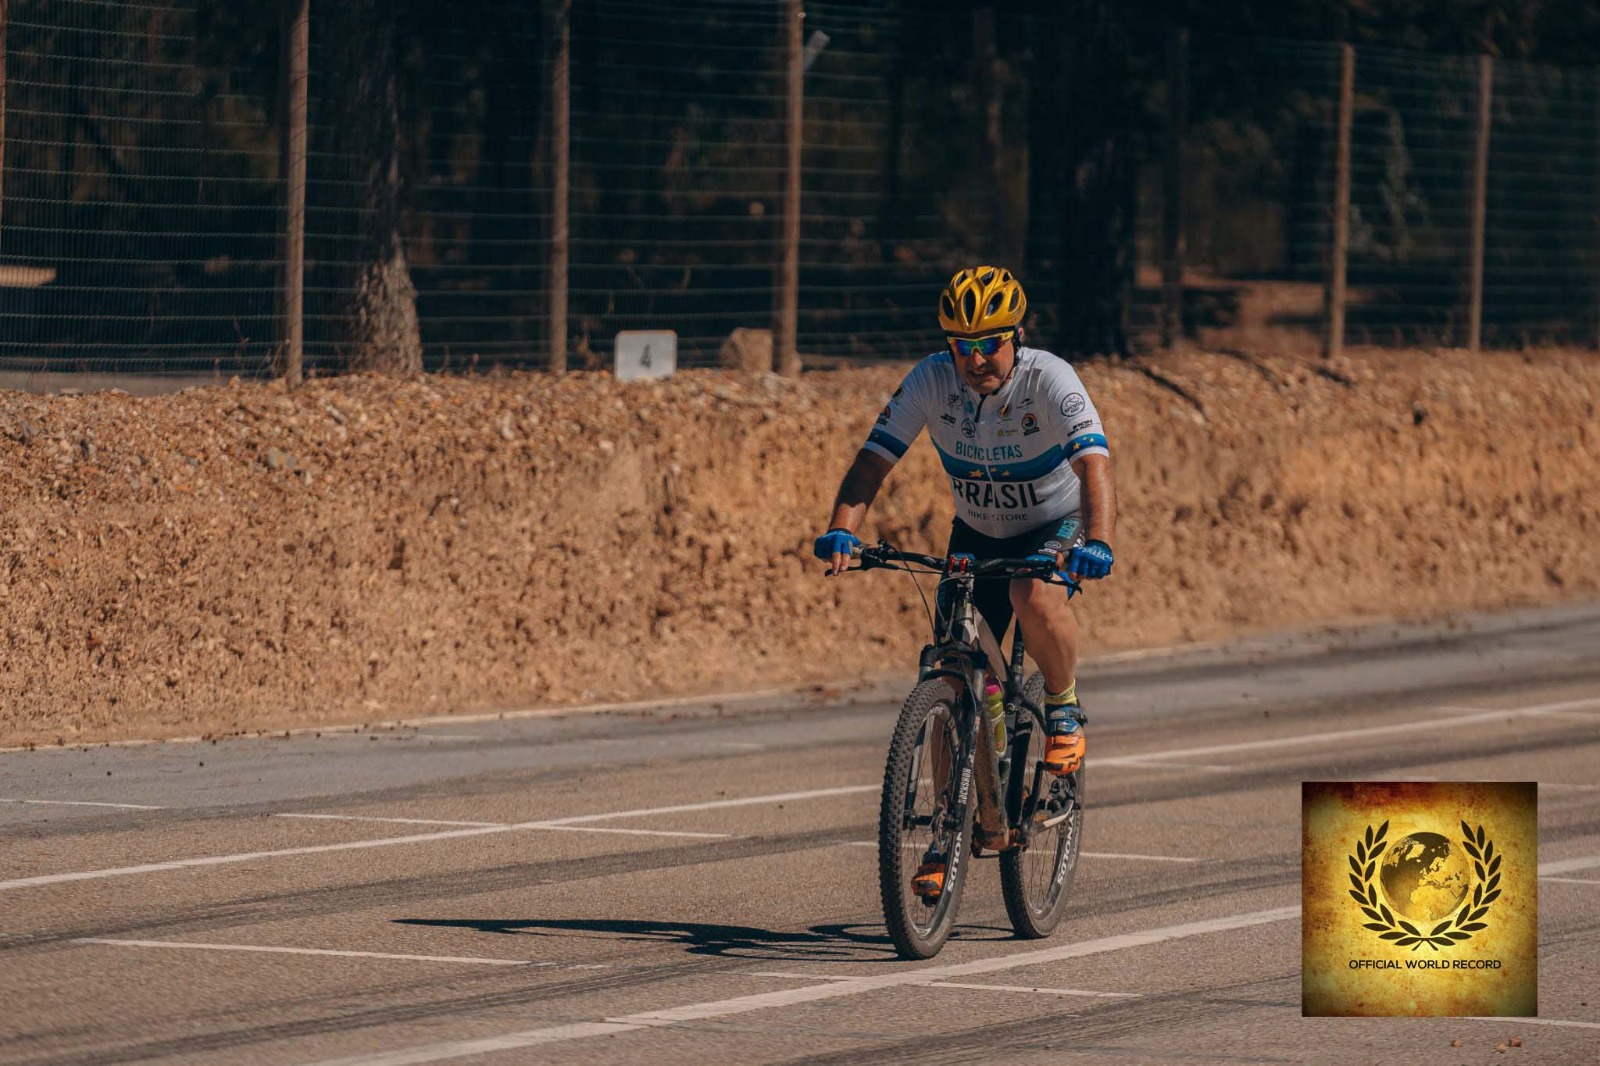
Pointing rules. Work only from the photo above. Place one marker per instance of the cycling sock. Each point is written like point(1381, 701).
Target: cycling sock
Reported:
point(1065, 696)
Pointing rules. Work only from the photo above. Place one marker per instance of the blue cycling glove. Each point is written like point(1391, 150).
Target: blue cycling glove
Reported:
point(834, 542)
point(1091, 560)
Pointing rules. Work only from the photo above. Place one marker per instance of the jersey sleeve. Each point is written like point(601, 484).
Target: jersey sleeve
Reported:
point(1072, 414)
point(903, 417)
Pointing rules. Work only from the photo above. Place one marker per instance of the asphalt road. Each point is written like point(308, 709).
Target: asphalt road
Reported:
point(697, 882)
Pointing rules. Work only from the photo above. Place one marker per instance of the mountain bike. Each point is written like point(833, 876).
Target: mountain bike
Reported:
point(945, 786)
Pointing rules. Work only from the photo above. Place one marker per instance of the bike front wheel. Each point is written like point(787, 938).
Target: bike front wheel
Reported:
point(921, 818)
point(1036, 877)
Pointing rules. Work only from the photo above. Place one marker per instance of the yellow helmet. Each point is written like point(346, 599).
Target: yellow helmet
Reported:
point(982, 300)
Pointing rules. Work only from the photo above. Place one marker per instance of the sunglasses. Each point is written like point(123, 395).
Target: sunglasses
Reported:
point(982, 346)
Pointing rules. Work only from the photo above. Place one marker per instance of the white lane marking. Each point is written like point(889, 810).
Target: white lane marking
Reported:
point(387, 728)
point(1349, 734)
point(1535, 1021)
point(1081, 854)
point(302, 951)
point(1564, 788)
point(854, 986)
point(1571, 880)
point(419, 838)
point(1138, 763)
point(248, 856)
point(396, 821)
point(626, 832)
point(748, 801)
point(85, 803)
point(511, 825)
point(1567, 866)
point(958, 984)
point(1030, 988)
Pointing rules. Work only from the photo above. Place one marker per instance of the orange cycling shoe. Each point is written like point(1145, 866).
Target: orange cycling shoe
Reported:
point(929, 881)
point(1064, 747)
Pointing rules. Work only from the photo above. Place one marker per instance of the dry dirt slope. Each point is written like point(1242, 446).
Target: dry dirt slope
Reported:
point(241, 557)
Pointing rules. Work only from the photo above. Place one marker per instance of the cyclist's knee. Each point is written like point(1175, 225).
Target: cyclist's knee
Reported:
point(1031, 598)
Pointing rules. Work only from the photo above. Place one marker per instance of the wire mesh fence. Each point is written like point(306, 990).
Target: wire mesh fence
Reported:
point(139, 224)
point(1260, 194)
point(142, 212)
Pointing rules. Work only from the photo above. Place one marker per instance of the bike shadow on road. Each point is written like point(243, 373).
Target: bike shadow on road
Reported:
point(842, 942)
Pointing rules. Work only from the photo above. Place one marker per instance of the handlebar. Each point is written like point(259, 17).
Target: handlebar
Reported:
point(883, 556)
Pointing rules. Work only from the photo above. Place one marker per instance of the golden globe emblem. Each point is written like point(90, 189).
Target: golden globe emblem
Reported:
point(1424, 876)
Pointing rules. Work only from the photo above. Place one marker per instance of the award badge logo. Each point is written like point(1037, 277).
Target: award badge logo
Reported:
point(1419, 898)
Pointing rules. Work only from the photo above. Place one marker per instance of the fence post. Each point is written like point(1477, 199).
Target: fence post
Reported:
point(1172, 242)
point(785, 355)
point(1480, 203)
point(561, 162)
point(292, 147)
point(1333, 335)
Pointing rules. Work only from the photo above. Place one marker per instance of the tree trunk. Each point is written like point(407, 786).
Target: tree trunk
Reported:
point(1098, 174)
point(383, 332)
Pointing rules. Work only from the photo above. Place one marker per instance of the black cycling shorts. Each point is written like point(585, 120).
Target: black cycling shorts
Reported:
point(993, 596)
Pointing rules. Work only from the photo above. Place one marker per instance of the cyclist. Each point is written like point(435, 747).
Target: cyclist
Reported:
point(1030, 469)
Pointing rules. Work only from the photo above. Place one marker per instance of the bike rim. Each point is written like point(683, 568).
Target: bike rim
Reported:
point(926, 822)
point(1044, 863)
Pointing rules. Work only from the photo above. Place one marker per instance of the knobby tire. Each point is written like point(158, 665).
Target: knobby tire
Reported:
point(917, 930)
point(1036, 897)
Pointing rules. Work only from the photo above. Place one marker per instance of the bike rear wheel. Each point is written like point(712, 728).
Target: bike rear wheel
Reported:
point(920, 816)
point(1036, 878)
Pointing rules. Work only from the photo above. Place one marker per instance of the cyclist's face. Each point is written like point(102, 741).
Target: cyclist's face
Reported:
point(984, 373)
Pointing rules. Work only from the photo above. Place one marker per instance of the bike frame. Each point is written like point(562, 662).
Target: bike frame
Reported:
point(964, 647)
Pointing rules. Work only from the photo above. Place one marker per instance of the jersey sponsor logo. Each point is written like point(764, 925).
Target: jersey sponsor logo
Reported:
point(1073, 404)
point(986, 494)
point(988, 455)
point(1079, 426)
point(883, 417)
point(1030, 423)
point(953, 400)
point(947, 418)
point(969, 428)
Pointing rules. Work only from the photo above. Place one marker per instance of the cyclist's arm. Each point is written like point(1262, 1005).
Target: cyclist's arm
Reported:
point(1099, 496)
point(858, 489)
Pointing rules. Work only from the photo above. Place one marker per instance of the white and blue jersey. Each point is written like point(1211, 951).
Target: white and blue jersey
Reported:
point(1009, 454)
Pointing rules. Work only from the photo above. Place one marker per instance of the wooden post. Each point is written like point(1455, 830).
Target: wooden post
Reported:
point(1172, 242)
point(561, 163)
point(1333, 334)
point(1480, 203)
point(785, 355)
point(292, 148)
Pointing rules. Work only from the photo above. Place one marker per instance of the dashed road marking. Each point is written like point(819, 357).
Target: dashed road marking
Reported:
point(1571, 880)
point(85, 803)
point(958, 984)
point(304, 951)
point(1350, 734)
point(424, 838)
point(824, 990)
point(1567, 866)
point(510, 825)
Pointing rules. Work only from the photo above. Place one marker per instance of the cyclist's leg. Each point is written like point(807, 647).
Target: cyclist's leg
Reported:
point(1050, 629)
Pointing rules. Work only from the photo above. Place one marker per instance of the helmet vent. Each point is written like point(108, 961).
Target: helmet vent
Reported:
point(1015, 296)
point(994, 303)
point(986, 277)
point(946, 306)
point(969, 305)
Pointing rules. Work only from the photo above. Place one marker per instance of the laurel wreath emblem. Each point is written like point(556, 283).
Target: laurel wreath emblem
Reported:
point(1468, 920)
